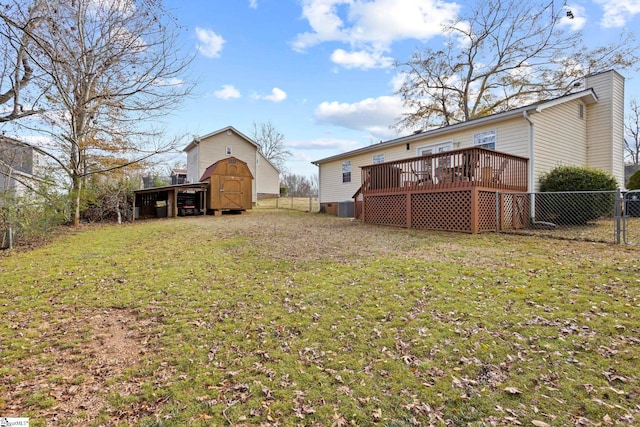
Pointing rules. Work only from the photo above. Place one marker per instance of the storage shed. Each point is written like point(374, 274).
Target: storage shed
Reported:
point(230, 182)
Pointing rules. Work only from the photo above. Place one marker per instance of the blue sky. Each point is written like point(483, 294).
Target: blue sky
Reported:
point(321, 71)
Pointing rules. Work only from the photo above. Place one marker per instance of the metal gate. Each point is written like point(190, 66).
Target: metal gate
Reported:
point(631, 217)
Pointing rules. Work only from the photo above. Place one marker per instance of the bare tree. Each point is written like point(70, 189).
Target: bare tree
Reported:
point(271, 143)
point(504, 54)
point(300, 185)
point(109, 70)
point(632, 128)
point(16, 68)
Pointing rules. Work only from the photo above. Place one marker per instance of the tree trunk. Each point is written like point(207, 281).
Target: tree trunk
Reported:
point(76, 189)
point(118, 212)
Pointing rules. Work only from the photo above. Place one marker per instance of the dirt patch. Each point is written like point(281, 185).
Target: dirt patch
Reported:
point(86, 371)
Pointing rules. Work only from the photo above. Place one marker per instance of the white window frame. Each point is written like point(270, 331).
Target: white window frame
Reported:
point(229, 150)
point(378, 158)
point(439, 147)
point(484, 139)
point(346, 169)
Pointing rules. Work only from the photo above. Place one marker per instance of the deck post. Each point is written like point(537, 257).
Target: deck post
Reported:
point(408, 209)
point(474, 211)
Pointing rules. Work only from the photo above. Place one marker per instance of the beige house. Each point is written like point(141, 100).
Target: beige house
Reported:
point(204, 151)
point(583, 128)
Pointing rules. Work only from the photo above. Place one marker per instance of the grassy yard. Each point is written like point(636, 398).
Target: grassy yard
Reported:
point(279, 318)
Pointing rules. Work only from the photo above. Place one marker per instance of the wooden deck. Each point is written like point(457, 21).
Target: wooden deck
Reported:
point(451, 191)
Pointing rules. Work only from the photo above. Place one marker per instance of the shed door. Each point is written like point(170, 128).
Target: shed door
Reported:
point(231, 192)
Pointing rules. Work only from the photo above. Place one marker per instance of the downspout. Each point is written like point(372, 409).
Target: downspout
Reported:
point(531, 183)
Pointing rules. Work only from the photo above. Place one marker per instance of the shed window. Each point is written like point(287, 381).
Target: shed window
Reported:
point(486, 139)
point(229, 151)
point(346, 171)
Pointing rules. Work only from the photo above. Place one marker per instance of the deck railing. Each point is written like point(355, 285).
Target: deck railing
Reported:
point(456, 169)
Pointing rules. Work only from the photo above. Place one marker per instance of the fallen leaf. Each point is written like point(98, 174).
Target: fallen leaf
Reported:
point(512, 390)
point(377, 414)
point(538, 423)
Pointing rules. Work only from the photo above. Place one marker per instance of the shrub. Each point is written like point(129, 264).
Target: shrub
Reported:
point(596, 197)
point(110, 201)
point(634, 181)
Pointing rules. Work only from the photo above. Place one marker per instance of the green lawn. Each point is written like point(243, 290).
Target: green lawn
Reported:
point(279, 318)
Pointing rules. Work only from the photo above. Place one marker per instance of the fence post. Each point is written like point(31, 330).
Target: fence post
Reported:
point(310, 204)
point(617, 215)
point(498, 219)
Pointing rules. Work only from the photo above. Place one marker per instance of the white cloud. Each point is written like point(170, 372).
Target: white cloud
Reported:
point(227, 92)
point(324, 144)
point(253, 4)
point(361, 59)
point(277, 95)
point(369, 27)
point(210, 43)
point(398, 80)
point(173, 81)
point(373, 115)
point(618, 13)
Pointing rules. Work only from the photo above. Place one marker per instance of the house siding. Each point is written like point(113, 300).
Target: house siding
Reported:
point(267, 178)
point(560, 136)
point(511, 136)
point(605, 140)
point(618, 143)
point(193, 174)
point(214, 148)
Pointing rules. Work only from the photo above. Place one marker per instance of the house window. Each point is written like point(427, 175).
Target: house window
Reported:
point(486, 139)
point(229, 151)
point(434, 148)
point(346, 171)
point(378, 158)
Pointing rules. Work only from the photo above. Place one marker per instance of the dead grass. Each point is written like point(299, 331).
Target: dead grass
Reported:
point(285, 318)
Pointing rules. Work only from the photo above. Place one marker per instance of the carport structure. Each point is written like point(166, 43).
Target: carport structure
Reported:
point(170, 201)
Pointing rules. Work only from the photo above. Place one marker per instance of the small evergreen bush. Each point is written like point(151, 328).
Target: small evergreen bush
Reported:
point(634, 181)
point(596, 200)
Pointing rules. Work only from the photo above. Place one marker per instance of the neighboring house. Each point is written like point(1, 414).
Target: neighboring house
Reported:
point(585, 128)
point(228, 142)
point(20, 167)
point(178, 176)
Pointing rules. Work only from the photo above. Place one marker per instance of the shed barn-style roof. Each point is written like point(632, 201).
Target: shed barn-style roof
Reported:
point(211, 169)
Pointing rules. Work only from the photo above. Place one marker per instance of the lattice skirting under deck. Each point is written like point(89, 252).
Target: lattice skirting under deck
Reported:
point(467, 211)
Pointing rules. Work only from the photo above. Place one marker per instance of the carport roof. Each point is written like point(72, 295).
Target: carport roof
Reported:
point(190, 186)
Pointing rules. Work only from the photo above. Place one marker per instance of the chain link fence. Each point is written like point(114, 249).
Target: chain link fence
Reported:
point(631, 218)
point(597, 216)
point(24, 221)
point(305, 204)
